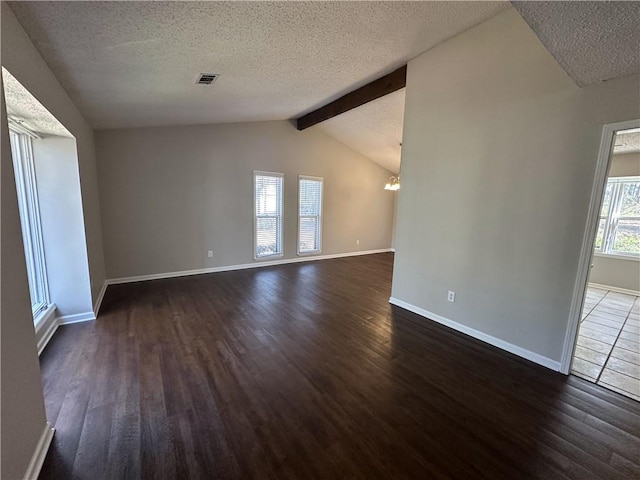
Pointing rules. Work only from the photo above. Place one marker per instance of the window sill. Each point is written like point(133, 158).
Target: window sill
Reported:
point(309, 254)
point(268, 257)
point(42, 319)
point(633, 258)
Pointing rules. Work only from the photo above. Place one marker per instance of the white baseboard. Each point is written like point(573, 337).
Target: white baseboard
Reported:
point(46, 329)
point(258, 264)
point(635, 293)
point(37, 459)
point(496, 342)
point(96, 306)
point(50, 324)
point(76, 318)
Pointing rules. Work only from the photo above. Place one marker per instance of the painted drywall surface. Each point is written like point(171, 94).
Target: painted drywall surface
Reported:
point(170, 194)
point(615, 272)
point(23, 61)
point(618, 272)
point(56, 165)
point(625, 164)
point(22, 417)
point(499, 155)
point(395, 217)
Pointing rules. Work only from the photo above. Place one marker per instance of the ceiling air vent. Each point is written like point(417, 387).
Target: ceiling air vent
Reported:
point(206, 78)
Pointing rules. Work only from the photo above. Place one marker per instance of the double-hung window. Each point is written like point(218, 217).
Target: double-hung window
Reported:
point(309, 215)
point(619, 226)
point(23, 165)
point(268, 208)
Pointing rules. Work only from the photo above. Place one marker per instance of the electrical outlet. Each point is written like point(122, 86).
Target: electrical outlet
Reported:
point(357, 242)
point(451, 296)
point(210, 254)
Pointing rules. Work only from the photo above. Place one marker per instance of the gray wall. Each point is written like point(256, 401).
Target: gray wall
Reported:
point(498, 159)
point(170, 194)
point(23, 416)
point(618, 272)
point(615, 272)
point(23, 61)
point(625, 164)
point(56, 165)
point(395, 217)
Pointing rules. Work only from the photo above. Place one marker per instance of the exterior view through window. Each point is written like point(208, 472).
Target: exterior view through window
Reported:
point(619, 227)
point(23, 166)
point(309, 215)
point(268, 214)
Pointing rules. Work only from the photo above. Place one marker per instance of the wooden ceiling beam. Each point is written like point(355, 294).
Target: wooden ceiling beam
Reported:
point(376, 89)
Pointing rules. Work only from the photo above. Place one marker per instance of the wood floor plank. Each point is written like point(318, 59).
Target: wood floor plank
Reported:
point(306, 371)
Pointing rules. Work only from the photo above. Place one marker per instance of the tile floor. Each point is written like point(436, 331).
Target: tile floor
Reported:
point(608, 349)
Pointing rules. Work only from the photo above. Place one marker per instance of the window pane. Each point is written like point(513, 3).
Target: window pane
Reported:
point(309, 215)
point(627, 237)
point(600, 234)
point(26, 188)
point(309, 234)
point(268, 190)
point(606, 201)
point(310, 197)
point(268, 204)
point(267, 236)
point(630, 202)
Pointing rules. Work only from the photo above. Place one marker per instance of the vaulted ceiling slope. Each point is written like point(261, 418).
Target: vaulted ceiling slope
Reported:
point(128, 64)
point(373, 129)
point(592, 41)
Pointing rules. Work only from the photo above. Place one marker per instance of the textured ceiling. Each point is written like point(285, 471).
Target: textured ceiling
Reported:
point(130, 64)
point(592, 41)
point(24, 109)
point(374, 129)
point(627, 141)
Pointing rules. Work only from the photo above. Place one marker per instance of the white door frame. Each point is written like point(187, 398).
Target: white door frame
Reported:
point(586, 252)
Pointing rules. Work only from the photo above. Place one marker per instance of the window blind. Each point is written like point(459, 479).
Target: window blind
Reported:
point(310, 214)
point(268, 214)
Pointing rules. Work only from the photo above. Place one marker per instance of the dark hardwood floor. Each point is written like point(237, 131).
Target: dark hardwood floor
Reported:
point(305, 371)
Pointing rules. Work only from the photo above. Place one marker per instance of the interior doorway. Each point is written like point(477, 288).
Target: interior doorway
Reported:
point(607, 346)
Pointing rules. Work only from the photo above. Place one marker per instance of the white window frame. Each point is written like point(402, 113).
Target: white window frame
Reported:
point(279, 218)
point(28, 205)
point(612, 219)
point(319, 216)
